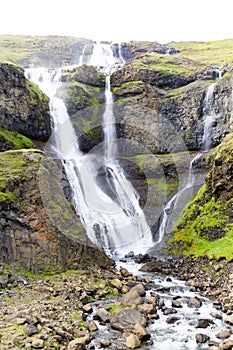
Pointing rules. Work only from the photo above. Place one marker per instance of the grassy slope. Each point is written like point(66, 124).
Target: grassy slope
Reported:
point(206, 226)
point(212, 52)
point(15, 48)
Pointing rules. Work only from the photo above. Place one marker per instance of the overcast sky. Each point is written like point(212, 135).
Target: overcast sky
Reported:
point(120, 20)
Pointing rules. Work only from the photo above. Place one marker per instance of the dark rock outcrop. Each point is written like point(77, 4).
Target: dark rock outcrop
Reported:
point(23, 107)
point(39, 229)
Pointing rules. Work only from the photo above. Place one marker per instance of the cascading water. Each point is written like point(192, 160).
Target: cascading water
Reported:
point(209, 119)
point(114, 222)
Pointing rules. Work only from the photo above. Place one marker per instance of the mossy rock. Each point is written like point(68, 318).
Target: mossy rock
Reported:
point(206, 226)
point(13, 140)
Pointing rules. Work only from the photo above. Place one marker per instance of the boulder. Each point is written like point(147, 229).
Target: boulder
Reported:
point(133, 342)
point(126, 319)
point(23, 107)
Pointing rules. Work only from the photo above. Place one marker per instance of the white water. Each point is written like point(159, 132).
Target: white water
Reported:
point(209, 119)
point(114, 222)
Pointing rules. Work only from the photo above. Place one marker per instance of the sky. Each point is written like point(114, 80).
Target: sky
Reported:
point(120, 20)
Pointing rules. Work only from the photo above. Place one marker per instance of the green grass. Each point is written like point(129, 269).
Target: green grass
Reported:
point(211, 52)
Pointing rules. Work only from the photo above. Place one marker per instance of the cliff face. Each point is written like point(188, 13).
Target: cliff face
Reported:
point(206, 227)
point(23, 107)
point(38, 227)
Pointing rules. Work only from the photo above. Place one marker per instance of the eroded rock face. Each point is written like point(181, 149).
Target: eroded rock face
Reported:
point(38, 227)
point(23, 107)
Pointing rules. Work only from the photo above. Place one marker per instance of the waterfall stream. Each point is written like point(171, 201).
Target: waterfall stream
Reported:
point(109, 209)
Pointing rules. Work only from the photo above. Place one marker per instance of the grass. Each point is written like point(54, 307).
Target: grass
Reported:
point(211, 52)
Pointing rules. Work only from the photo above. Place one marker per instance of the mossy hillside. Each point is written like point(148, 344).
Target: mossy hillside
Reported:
point(14, 171)
point(13, 140)
point(20, 48)
point(206, 226)
point(169, 65)
point(211, 52)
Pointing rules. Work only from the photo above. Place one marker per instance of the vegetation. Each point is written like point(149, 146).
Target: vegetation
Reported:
point(13, 140)
point(211, 53)
point(17, 48)
point(206, 226)
point(168, 65)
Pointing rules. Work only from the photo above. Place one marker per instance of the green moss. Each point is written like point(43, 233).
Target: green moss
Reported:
point(13, 140)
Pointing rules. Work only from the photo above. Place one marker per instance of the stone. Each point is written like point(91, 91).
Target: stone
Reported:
point(141, 332)
point(77, 344)
point(201, 338)
point(105, 343)
point(140, 289)
point(226, 344)
point(38, 344)
point(92, 326)
point(132, 298)
point(229, 319)
point(126, 319)
point(168, 311)
point(176, 303)
point(172, 319)
point(194, 303)
point(103, 315)
point(87, 308)
point(203, 323)
point(133, 342)
point(30, 329)
point(116, 283)
point(226, 333)
point(147, 308)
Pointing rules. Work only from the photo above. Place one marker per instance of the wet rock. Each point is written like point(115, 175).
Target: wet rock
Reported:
point(172, 319)
point(91, 325)
point(201, 338)
point(140, 289)
point(176, 303)
point(229, 319)
point(129, 255)
point(168, 311)
point(141, 332)
point(88, 308)
point(126, 319)
point(203, 323)
point(124, 272)
point(194, 303)
point(224, 334)
point(133, 342)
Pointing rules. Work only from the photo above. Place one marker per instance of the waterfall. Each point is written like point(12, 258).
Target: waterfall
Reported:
point(107, 203)
point(209, 120)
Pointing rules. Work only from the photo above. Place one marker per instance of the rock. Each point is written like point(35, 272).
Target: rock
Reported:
point(168, 311)
point(38, 344)
point(126, 319)
point(30, 329)
point(147, 308)
point(34, 235)
point(77, 344)
point(23, 107)
point(201, 338)
point(91, 325)
point(131, 298)
point(124, 272)
point(141, 332)
point(133, 342)
point(226, 333)
point(140, 289)
point(203, 323)
point(172, 319)
point(129, 255)
point(226, 344)
point(103, 315)
point(88, 308)
point(105, 343)
point(116, 283)
point(3, 281)
point(194, 302)
point(176, 303)
point(88, 75)
point(229, 319)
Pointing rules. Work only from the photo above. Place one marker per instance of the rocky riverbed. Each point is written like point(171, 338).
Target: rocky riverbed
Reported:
point(115, 309)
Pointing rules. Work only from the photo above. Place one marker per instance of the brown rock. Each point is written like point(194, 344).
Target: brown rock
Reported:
point(132, 298)
point(133, 342)
point(226, 333)
point(141, 332)
point(116, 283)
